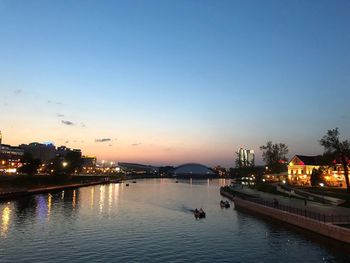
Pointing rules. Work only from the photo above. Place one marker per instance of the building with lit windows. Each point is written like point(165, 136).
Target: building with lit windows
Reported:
point(10, 157)
point(135, 168)
point(246, 157)
point(300, 169)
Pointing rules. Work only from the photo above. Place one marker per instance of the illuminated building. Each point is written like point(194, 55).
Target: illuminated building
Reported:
point(135, 168)
point(300, 169)
point(10, 157)
point(246, 157)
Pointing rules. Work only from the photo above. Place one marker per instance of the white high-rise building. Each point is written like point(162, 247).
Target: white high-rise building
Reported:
point(246, 157)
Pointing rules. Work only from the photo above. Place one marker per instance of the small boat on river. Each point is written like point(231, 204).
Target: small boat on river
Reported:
point(199, 213)
point(224, 204)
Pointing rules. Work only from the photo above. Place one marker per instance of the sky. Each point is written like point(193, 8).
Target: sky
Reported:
point(171, 82)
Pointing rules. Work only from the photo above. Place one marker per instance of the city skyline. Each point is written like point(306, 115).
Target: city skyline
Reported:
point(169, 83)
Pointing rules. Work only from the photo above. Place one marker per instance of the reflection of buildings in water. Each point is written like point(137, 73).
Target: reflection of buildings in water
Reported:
point(110, 199)
point(74, 199)
point(92, 197)
point(116, 193)
point(24, 208)
point(224, 181)
point(70, 201)
point(42, 207)
point(49, 203)
point(102, 197)
point(5, 220)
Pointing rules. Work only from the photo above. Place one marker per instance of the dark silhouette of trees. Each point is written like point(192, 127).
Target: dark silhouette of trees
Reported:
point(66, 165)
point(274, 156)
point(339, 150)
point(30, 165)
point(317, 176)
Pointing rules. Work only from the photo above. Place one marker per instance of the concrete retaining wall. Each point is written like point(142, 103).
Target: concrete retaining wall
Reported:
point(325, 229)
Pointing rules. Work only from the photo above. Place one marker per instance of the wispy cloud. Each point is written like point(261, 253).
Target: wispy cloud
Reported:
point(82, 125)
point(17, 91)
point(55, 102)
point(68, 123)
point(59, 115)
point(136, 144)
point(103, 140)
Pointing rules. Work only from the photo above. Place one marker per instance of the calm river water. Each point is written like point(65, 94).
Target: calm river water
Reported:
point(149, 221)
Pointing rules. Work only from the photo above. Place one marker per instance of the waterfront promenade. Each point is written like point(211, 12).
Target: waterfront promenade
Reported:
point(326, 220)
point(311, 206)
point(51, 185)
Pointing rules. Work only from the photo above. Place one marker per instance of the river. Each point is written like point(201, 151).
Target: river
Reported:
point(148, 221)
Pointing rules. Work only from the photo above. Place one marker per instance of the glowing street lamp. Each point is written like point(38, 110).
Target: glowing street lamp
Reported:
point(64, 164)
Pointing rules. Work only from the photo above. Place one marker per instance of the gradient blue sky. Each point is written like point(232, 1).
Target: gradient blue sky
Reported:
point(168, 82)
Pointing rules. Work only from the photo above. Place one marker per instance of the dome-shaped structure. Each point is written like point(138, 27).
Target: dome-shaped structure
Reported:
point(193, 170)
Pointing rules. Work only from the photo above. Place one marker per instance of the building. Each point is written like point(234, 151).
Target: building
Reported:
point(44, 152)
point(194, 170)
point(135, 168)
point(246, 157)
point(89, 161)
point(300, 169)
point(10, 157)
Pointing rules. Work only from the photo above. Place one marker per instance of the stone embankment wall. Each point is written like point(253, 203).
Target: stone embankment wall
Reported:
point(325, 229)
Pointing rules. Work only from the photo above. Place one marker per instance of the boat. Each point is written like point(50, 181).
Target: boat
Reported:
point(224, 204)
point(199, 213)
point(127, 184)
point(134, 182)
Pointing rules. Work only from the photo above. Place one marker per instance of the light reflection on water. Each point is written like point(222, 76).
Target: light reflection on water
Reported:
point(5, 220)
point(149, 221)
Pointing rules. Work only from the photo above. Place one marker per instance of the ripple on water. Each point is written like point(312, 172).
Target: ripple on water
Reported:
point(150, 221)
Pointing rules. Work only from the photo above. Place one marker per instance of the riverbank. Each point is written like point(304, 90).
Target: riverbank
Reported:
point(15, 187)
point(331, 225)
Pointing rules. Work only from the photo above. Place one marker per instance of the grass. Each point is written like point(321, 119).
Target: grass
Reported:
point(268, 188)
point(340, 193)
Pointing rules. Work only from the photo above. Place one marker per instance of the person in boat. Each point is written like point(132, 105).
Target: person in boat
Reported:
point(196, 211)
point(201, 211)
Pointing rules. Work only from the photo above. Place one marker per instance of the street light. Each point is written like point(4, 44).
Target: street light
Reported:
point(64, 164)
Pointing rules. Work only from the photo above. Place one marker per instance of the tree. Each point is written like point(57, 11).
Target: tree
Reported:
point(340, 150)
point(274, 156)
point(66, 165)
point(30, 165)
point(317, 176)
point(74, 162)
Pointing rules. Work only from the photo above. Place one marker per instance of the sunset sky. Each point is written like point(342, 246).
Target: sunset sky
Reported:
point(168, 82)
